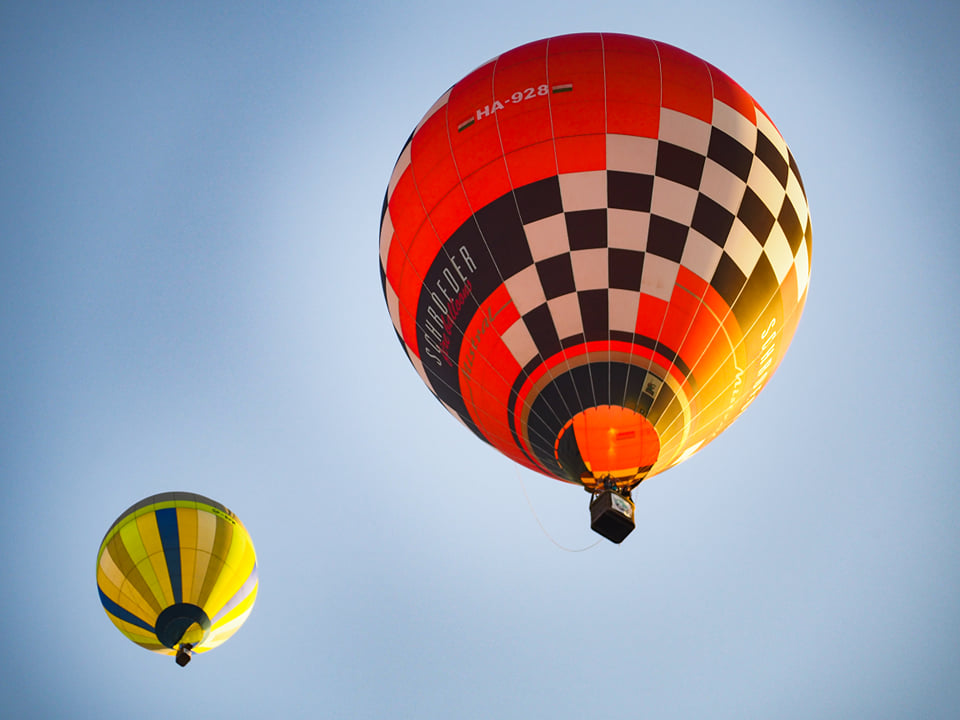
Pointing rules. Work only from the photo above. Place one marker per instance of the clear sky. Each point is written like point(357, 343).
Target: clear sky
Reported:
point(190, 199)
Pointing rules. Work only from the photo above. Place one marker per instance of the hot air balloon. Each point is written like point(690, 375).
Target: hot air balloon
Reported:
point(595, 250)
point(177, 574)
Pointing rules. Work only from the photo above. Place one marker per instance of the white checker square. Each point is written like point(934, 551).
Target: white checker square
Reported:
point(722, 186)
point(742, 247)
point(520, 343)
point(797, 199)
point(591, 269)
point(565, 311)
point(386, 237)
point(778, 252)
point(631, 154)
point(547, 237)
point(684, 130)
point(393, 305)
point(659, 276)
point(526, 290)
point(803, 270)
point(730, 121)
point(627, 229)
point(701, 255)
point(766, 186)
point(403, 162)
point(418, 366)
point(583, 190)
point(623, 309)
point(673, 201)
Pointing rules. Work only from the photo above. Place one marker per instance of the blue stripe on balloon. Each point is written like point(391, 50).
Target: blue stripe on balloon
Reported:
point(170, 539)
point(122, 613)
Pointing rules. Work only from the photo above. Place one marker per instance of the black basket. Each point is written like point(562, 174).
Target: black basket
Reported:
point(611, 515)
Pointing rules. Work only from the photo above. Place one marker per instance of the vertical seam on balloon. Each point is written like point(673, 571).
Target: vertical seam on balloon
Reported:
point(676, 398)
point(144, 566)
point(489, 252)
point(473, 216)
point(657, 343)
point(606, 164)
point(201, 563)
point(583, 334)
point(408, 265)
point(222, 547)
point(188, 547)
point(702, 385)
point(516, 205)
point(686, 413)
point(743, 338)
point(492, 328)
point(749, 364)
point(169, 531)
point(436, 383)
point(556, 165)
point(128, 590)
point(238, 596)
point(700, 297)
point(556, 160)
point(747, 331)
point(626, 382)
point(666, 312)
point(707, 286)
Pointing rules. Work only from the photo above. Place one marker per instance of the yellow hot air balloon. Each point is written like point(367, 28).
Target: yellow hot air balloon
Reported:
point(177, 574)
point(595, 250)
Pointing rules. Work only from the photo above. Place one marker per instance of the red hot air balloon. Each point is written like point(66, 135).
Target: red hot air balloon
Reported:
point(595, 250)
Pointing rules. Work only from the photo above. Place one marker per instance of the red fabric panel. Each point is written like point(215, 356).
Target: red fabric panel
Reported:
point(730, 93)
point(686, 83)
point(633, 85)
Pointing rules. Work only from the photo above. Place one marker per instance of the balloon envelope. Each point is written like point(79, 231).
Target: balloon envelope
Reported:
point(595, 250)
point(177, 570)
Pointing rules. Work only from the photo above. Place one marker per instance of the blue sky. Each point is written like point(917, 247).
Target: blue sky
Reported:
point(190, 199)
